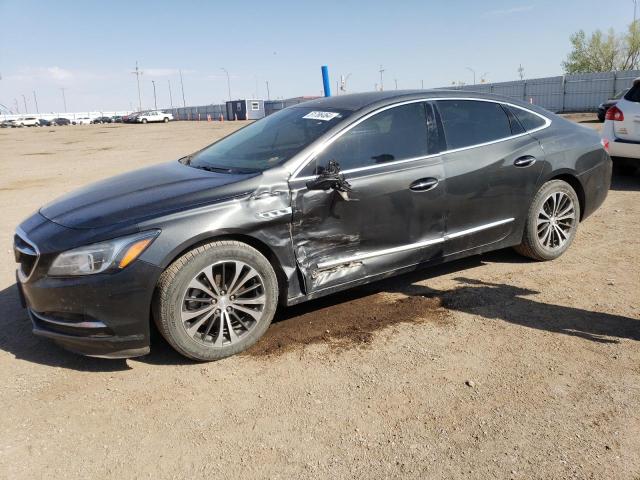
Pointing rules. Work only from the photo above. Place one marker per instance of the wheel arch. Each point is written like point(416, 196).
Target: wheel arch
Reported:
point(254, 242)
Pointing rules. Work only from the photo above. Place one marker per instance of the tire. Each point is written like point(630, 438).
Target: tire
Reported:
point(144, 120)
point(176, 300)
point(166, 120)
point(562, 224)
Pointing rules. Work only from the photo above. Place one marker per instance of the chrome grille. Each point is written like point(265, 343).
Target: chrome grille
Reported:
point(26, 254)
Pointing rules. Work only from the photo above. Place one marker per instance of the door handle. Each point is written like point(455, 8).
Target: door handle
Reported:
point(424, 184)
point(525, 161)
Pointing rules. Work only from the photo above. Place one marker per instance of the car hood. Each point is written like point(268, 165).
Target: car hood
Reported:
point(144, 194)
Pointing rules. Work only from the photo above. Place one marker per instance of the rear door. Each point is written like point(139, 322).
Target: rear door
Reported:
point(394, 216)
point(492, 166)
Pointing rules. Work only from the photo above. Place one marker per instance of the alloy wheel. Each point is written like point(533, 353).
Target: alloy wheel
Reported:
point(555, 221)
point(223, 303)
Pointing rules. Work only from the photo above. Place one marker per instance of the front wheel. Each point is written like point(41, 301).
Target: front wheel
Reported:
point(144, 120)
point(552, 222)
point(216, 300)
point(165, 120)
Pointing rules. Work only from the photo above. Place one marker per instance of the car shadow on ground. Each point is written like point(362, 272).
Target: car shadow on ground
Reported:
point(307, 323)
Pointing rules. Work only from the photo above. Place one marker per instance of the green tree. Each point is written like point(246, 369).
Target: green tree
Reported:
point(600, 52)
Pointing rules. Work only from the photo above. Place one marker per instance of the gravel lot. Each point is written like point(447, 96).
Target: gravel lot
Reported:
point(489, 367)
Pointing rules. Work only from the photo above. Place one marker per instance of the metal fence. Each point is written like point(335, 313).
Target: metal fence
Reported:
point(568, 93)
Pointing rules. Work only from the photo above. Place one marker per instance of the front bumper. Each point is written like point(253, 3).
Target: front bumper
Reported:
point(104, 315)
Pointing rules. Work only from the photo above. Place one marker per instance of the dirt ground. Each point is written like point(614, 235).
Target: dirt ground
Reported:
point(489, 367)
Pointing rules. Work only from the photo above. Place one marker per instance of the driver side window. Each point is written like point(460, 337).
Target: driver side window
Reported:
point(398, 133)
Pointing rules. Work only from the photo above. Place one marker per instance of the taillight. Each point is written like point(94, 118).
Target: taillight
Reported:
point(605, 144)
point(615, 114)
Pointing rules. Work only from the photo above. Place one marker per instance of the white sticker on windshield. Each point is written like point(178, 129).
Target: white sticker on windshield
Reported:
point(324, 116)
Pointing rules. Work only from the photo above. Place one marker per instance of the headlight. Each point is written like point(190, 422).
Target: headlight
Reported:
point(113, 254)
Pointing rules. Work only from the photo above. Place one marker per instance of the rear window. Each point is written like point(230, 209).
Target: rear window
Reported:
point(471, 122)
point(633, 95)
point(530, 121)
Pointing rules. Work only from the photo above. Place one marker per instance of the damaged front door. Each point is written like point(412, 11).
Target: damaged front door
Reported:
point(372, 201)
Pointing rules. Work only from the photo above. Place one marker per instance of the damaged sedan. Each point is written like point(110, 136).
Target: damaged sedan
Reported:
point(316, 198)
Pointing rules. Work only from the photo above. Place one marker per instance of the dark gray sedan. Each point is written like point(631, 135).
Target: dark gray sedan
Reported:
point(311, 200)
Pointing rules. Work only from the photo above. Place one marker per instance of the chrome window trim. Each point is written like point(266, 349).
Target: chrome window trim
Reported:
point(411, 246)
point(316, 151)
point(21, 275)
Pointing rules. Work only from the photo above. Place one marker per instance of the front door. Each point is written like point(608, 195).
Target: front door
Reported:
point(492, 167)
point(394, 215)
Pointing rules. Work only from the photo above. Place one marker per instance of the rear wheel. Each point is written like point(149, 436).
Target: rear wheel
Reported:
point(144, 120)
point(216, 300)
point(551, 223)
point(165, 120)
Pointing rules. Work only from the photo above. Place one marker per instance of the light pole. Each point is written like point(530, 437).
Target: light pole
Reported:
point(64, 100)
point(184, 103)
point(228, 81)
point(170, 95)
point(474, 74)
point(155, 102)
point(35, 100)
point(24, 99)
point(396, 80)
point(137, 73)
point(268, 93)
point(381, 82)
point(15, 100)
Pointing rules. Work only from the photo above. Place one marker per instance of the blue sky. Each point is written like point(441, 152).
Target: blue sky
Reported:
point(90, 47)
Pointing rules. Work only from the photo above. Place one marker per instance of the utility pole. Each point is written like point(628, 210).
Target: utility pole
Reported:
point(422, 84)
point(184, 102)
point(155, 101)
point(137, 73)
point(64, 100)
point(381, 81)
point(15, 100)
point(228, 81)
point(35, 100)
point(268, 93)
point(396, 80)
point(521, 72)
point(474, 74)
point(24, 99)
point(170, 96)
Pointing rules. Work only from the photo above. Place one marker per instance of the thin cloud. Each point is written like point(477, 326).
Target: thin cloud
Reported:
point(54, 74)
point(508, 11)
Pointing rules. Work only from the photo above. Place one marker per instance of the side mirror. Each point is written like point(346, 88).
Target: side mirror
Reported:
point(331, 178)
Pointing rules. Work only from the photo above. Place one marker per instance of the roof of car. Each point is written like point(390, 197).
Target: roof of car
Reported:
point(357, 101)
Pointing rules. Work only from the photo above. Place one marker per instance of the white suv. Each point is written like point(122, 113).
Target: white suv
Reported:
point(621, 130)
point(27, 122)
point(154, 116)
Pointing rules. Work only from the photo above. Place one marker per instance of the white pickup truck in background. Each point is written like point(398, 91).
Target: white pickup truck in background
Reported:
point(154, 116)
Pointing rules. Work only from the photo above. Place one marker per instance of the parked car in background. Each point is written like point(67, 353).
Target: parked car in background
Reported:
point(311, 200)
point(621, 129)
point(154, 116)
point(116, 119)
point(7, 124)
point(604, 106)
point(101, 120)
point(61, 121)
point(131, 118)
point(44, 123)
point(26, 122)
point(81, 121)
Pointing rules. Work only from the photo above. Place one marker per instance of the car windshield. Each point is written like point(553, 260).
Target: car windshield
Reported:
point(268, 142)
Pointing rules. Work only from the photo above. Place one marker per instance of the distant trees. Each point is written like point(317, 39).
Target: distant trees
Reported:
point(600, 52)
